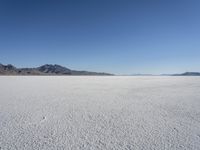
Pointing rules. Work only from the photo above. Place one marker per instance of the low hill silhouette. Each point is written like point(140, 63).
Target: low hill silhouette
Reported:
point(47, 69)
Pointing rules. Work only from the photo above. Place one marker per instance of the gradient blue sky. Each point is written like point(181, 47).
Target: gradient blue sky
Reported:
point(117, 36)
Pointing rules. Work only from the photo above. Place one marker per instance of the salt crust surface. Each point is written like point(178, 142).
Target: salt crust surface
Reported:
point(125, 113)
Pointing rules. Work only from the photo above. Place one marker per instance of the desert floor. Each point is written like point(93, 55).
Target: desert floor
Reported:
point(125, 113)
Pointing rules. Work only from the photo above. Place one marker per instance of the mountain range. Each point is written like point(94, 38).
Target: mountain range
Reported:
point(188, 74)
point(47, 69)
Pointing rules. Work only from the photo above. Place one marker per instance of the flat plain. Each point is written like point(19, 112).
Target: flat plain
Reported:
point(99, 112)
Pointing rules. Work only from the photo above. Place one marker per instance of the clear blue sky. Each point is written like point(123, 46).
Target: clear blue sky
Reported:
point(117, 36)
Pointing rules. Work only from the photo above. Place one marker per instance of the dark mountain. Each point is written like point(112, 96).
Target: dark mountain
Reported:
point(188, 74)
point(7, 69)
point(54, 69)
point(47, 69)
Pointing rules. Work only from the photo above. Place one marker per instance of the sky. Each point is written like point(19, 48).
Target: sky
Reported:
point(115, 36)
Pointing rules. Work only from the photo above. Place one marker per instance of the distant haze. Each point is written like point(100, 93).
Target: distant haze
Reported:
point(121, 37)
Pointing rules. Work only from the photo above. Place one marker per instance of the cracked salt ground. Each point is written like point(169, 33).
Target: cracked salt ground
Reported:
point(99, 113)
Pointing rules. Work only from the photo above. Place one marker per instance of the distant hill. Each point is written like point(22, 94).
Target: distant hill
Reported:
point(47, 69)
point(139, 74)
point(188, 74)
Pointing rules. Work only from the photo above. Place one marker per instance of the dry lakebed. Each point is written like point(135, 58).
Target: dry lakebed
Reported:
point(99, 113)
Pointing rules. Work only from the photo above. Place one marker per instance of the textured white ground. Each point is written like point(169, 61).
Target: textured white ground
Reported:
point(125, 113)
